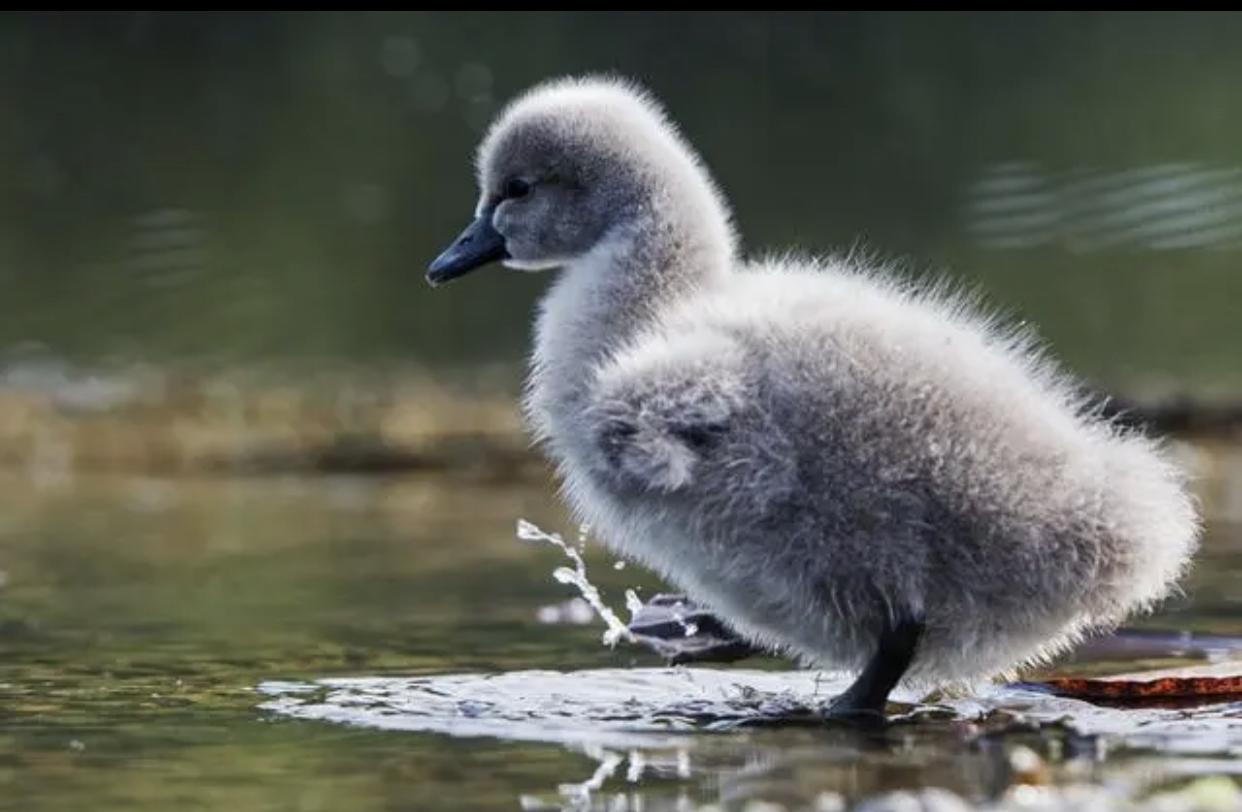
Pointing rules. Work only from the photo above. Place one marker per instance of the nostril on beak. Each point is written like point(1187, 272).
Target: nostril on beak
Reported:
point(475, 247)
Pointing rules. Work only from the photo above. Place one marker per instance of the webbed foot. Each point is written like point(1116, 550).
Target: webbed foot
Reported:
point(681, 631)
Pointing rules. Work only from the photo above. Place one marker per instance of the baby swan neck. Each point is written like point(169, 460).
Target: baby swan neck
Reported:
point(668, 234)
point(607, 296)
point(662, 254)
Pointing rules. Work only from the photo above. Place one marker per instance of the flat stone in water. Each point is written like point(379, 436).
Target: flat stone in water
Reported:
point(657, 707)
point(605, 707)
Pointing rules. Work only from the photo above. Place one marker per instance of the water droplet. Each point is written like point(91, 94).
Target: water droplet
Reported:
point(577, 576)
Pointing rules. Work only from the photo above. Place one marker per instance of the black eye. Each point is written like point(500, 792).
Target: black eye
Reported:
point(516, 188)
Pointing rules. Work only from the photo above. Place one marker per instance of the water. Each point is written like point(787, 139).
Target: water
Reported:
point(240, 187)
point(139, 616)
point(212, 235)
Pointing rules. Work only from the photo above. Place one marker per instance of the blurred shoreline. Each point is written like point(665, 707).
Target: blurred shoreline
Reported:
point(57, 421)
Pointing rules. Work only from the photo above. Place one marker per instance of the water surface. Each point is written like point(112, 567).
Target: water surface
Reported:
point(139, 616)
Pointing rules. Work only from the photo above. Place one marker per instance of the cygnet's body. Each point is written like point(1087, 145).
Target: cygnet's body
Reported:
point(865, 474)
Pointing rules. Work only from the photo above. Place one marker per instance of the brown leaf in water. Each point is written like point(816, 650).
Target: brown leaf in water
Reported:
point(1195, 682)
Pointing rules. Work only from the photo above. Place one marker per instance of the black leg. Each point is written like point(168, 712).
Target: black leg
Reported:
point(865, 699)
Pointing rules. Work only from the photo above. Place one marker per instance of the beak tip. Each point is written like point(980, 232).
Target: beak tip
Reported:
point(440, 270)
point(477, 246)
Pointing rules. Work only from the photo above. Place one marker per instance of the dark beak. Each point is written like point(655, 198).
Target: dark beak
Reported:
point(478, 245)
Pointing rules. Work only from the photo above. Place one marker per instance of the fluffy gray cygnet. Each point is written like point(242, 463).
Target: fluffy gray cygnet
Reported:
point(863, 473)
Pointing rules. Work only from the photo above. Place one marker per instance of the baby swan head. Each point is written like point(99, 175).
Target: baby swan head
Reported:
point(574, 162)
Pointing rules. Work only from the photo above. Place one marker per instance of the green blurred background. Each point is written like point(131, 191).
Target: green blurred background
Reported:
point(240, 188)
point(213, 230)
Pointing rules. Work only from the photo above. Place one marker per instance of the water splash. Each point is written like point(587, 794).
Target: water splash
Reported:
point(617, 631)
point(633, 603)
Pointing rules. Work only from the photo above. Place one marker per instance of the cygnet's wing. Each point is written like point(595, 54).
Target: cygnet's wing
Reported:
point(665, 406)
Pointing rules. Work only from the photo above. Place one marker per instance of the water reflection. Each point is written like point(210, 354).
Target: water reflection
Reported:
point(232, 187)
point(1164, 207)
point(645, 727)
